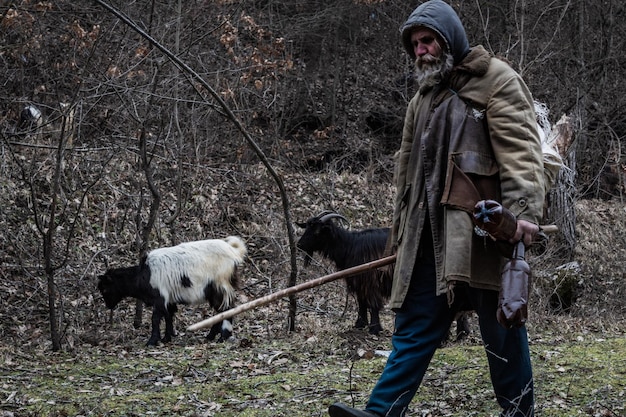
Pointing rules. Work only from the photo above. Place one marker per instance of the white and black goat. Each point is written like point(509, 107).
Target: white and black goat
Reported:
point(347, 249)
point(351, 248)
point(188, 273)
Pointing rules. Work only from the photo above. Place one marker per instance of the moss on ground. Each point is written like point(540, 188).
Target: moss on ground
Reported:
point(582, 377)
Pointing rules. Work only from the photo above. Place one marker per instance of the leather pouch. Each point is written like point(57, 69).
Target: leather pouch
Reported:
point(470, 177)
point(516, 278)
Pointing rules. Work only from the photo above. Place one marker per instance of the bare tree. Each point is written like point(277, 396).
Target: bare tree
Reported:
point(56, 205)
point(251, 142)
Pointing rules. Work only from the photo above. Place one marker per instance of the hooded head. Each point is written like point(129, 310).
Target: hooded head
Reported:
point(440, 17)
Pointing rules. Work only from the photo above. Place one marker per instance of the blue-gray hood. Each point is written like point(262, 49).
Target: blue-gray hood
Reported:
point(440, 17)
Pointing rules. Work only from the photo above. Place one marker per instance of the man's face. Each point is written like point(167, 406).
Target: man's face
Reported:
point(426, 44)
point(432, 62)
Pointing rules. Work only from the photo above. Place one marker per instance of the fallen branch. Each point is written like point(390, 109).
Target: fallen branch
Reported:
point(292, 290)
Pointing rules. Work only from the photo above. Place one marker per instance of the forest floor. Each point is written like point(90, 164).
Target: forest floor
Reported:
point(104, 369)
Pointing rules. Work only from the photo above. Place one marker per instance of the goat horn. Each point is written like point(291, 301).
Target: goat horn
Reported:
point(332, 215)
point(322, 214)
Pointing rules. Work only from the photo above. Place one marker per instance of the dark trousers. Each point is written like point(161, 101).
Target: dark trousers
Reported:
point(420, 326)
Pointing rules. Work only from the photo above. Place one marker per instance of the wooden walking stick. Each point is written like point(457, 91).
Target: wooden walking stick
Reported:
point(292, 290)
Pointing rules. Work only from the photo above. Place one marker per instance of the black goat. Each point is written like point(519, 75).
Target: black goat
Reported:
point(347, 249)
point(351, 248)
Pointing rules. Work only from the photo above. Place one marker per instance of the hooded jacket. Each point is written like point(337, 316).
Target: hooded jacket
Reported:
point(478, 124)
point(440, 17)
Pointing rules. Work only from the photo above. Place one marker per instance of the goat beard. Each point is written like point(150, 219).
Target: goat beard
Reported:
point(431, 70)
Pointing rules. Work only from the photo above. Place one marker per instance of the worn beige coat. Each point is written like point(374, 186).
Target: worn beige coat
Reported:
point(482, 123)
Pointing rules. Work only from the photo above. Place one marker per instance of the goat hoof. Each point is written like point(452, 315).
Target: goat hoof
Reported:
point(461, 336)
point(360, 324)
point(375, 332)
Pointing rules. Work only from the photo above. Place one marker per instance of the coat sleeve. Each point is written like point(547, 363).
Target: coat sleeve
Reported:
point(516, 144)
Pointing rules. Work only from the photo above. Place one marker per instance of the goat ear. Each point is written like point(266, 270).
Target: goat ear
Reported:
point(301, 225)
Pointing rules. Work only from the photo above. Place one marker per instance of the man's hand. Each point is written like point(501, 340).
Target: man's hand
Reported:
point(525, 230)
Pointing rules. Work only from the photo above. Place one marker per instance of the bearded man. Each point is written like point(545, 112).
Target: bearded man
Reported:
point(469, 133)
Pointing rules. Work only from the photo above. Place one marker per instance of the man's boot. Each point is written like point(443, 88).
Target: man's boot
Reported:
point(342, 410)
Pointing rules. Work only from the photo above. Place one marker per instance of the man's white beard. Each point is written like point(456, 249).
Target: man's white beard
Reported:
point(429, 71)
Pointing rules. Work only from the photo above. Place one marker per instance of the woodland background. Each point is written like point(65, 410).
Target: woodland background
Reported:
point(242, 117)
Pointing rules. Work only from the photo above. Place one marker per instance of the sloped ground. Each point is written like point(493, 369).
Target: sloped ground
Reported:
point(579, 355)
point(594, 282)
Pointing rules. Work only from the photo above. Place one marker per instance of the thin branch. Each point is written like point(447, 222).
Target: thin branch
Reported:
point(231, 116)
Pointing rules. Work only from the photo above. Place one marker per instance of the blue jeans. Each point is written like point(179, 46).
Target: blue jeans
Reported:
point(420, 326)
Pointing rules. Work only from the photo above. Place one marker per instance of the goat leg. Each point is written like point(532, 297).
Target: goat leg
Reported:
point(155, 337)
point(375, 327)
point(361, 322)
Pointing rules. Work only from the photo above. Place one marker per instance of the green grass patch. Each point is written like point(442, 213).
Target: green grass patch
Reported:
point(584, 377)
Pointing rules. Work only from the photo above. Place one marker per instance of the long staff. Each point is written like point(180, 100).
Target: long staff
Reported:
point(292, 290)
